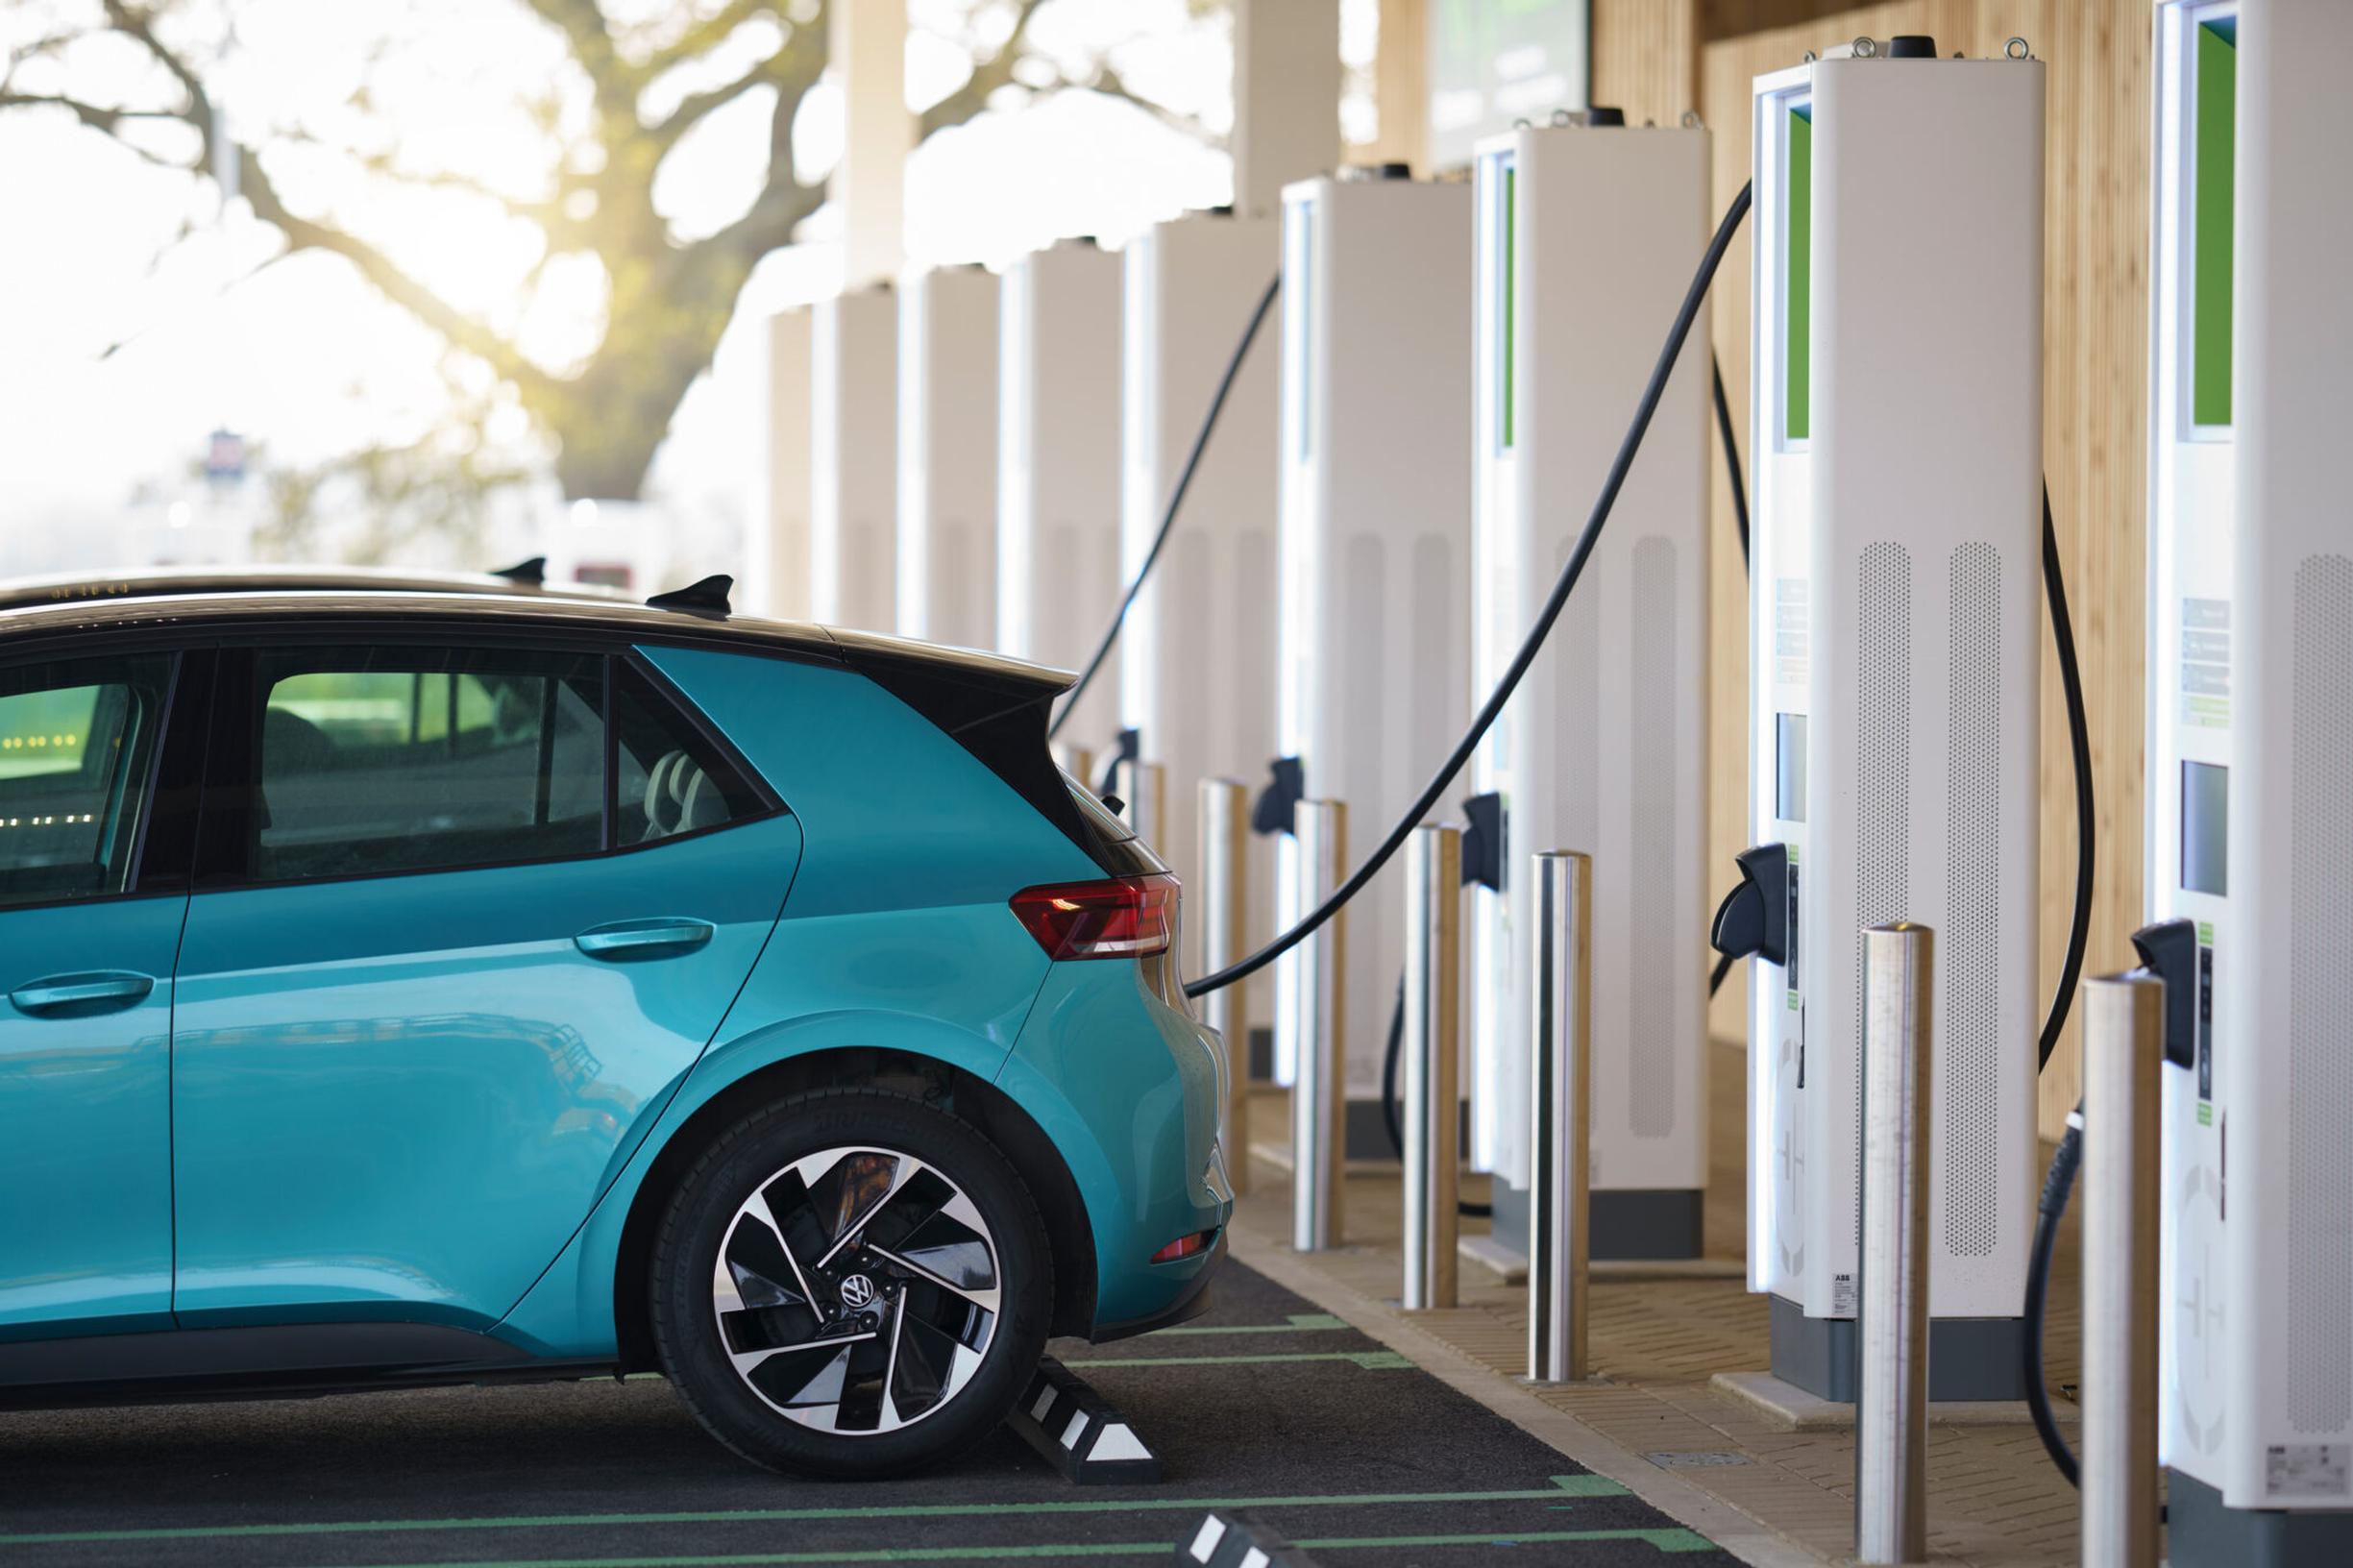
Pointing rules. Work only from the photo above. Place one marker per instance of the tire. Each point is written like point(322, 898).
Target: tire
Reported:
point(938, 1294)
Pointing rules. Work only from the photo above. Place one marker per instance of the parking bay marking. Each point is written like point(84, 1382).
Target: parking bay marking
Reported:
point(1300, 1323)
point(1371, 1361)
point(1672, 1540)
point(1581, 1486)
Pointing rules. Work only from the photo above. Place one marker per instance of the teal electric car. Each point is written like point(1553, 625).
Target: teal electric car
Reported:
point(419, 987)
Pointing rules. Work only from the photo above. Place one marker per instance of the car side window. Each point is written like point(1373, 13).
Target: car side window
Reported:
point(77, 749)
point(668, 777)
point(371, 760)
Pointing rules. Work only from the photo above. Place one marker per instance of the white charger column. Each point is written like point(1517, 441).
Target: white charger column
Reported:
point(1058, 471)
point(1588, 232)
point(853, 460)
point(1896, 624)
point(947, 444)
point(1374, 639)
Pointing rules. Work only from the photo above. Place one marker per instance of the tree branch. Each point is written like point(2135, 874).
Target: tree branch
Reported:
point(582, 23)
point(1112, 85)
point(100, 117)
point(797, 63)
point(138, 23)
point(310, 233)
point(701, 37)
point(988, 75)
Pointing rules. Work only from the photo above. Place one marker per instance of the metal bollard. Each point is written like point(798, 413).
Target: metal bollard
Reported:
point(1320, 828)
point(1431, 1049)
point(1561, 1090)
point(1224, 902)
point(1891, 1414)
point(2123, 1054)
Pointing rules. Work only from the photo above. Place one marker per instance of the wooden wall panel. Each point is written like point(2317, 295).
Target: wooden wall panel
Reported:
point(2096, 324)
point(1646, 58)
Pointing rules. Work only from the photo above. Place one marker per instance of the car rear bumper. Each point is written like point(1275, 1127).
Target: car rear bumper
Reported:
point(1192, 1300)
point(1128, 1091)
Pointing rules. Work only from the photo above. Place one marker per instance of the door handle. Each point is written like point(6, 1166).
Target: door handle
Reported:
point(115, 988)
point(662, 938)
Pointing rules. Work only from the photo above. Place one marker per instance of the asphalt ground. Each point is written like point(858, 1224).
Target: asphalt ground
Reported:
point(1265, 1405)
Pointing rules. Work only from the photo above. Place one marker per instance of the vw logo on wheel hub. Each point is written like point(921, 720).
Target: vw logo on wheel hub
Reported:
point(857, 1292)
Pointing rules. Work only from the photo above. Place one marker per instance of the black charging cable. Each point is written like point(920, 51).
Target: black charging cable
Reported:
point(2056, 1186)
point(1176, 500)
point(2087, 822)
point(1570, 572)
point(1731, 456)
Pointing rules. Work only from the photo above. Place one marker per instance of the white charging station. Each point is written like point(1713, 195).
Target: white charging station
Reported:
point(1198, 655)
point(853, 464)
point(1587, 235)
point(2250, 768)
point(1895, 644)
point(1058, 471)
point(775, 567)
point(947, 438)
point(1375, 543)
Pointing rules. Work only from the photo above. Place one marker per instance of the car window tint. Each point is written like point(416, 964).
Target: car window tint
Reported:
point(77, 743)
point(668, 777)
point(406, 759)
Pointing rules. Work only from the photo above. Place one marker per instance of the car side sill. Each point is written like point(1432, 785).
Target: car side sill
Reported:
point(276, 1360)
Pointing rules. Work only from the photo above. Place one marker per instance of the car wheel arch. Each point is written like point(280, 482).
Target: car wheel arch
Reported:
point(928, 1080)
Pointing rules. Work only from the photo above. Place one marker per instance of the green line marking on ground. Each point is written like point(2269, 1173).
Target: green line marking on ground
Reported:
point(1675, 1539)
point(1670, 1540)
point(1583, 1486)
point(1371, 1361)
point(1300, 1323)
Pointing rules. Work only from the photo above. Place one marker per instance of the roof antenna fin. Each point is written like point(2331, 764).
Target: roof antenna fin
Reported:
point(707, 596)
point(532, 572)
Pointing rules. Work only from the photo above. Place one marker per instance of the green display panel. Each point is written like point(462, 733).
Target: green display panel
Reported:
point(2212, 243)
point(1798, 270)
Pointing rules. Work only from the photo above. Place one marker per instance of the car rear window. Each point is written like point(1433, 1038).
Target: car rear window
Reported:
point(373, 760)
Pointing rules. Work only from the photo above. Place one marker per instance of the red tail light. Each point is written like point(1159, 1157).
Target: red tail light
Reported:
point(1123, 917)
point(1185, 1246)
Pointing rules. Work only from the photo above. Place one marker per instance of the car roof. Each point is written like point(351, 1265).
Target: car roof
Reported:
point(377, 602)
point(149, 582)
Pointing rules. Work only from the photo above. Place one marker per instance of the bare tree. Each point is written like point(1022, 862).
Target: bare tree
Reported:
point(612, 117)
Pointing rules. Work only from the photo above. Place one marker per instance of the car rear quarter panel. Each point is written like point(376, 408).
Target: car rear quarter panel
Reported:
point(1126, 1088)
point(897, 935)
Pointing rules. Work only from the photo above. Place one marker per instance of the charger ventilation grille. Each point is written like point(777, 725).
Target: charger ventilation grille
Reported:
point(1358, 687)
point(1655, 966)
point(1438, 715)
point(1970, 1044)
point(1883, 781)
point(2320, 862)
point(870, 568)
point(1576, 662)
point(1188, 711)
point(957, 607)
point(1070, 567)
point(1250, 631)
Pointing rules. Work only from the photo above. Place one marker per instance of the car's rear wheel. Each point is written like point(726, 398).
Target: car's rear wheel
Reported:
point(851, 1284)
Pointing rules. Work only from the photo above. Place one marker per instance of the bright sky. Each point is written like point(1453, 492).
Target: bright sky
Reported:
point(305, 357)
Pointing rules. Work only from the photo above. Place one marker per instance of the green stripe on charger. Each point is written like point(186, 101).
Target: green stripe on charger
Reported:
point(1586, 1485)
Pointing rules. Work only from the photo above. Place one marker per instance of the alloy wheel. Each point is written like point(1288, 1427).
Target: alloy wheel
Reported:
point(857, 1290)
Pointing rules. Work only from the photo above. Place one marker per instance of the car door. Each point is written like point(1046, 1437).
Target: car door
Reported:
point(464, 915)
point(95, 817)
